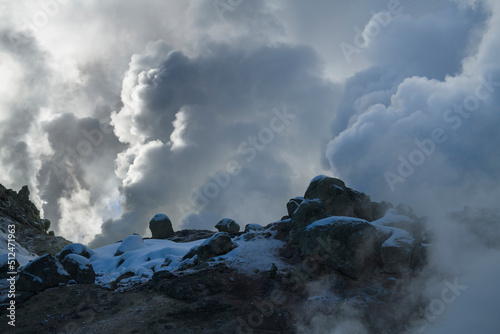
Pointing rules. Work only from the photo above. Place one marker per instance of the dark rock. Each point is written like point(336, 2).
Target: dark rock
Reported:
point(79, 268)
point(219, 244)
point(248, 236)
point(42, 273)
point(19, 207)
point(228, 225)
point(187, 287)
point(253, 227)
point(293, 205)
point(396, 250)
point(188, 263)
point(191, 253)
point(419, 257)
point(191, 235)
point(339, 200)
point(348, 245)
point(379, 209)
point(161, 227)
point(113, 285)
point(282, 229)
point(75, 248)
point(308, 212)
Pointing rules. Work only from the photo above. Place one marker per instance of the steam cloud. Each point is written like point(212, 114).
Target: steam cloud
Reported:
point(156, 106)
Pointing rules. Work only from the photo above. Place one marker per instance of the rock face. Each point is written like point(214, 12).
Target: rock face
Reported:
point(42, 273)
point(252, 227)
point(343, 243)
point(339, 200)
point(75, 248)
point(219, 244)
point(31, 230)
point(79, 268)
point(227, 225)
point(396, 250)
point(293, 205)
point(19, 207)
point(161, 227)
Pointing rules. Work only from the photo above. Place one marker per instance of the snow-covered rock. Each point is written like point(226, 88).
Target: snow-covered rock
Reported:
point(130, 243)
point(75, 248)
point(79, 268)
point(42, 273)
point(228, 225)
point(253, 227)
point(161, 226)
point(344, 243)
point(219, 244)
point(397, 249)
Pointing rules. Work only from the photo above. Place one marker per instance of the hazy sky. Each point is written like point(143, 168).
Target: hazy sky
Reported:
point(112, 111)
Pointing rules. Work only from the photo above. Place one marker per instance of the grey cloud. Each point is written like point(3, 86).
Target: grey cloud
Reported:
point(385, 115)
point(226, 98)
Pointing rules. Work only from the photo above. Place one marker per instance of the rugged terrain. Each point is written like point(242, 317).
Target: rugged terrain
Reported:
point(335, 258)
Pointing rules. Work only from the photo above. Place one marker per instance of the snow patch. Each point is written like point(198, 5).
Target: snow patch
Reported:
point(335, 220)
point(160, 216)
point(131, 243)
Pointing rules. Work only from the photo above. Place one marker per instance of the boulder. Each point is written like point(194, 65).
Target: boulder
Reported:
point(79, 268)
point(346, 244)
point(340, 200)
point(130, 243)
point(75, 248)
point(293, 205)
point(228, 225)
point(191, 253)
point(308, 212)
point(161, 227)
point(42, 273)
point(220, 243)
point(396, 250)
point(252, 227)
point(396, 218)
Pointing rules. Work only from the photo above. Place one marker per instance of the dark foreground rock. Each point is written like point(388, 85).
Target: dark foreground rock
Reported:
point(348, 245)
point(42, 273)
point(79, 268)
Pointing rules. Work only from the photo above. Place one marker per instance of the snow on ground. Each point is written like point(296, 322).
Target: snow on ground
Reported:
point(23, 256)
point(131, 243)
point(335, 220)
point(139, 261)
point(257, 254)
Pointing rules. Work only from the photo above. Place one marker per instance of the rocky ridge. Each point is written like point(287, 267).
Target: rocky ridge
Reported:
point(334, 250)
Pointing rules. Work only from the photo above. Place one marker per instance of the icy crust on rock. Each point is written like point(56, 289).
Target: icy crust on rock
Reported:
point(82, 262)
point(335, 220)
point(160, 217)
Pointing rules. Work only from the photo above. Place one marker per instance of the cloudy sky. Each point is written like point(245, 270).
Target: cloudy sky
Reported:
point(112, 111)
